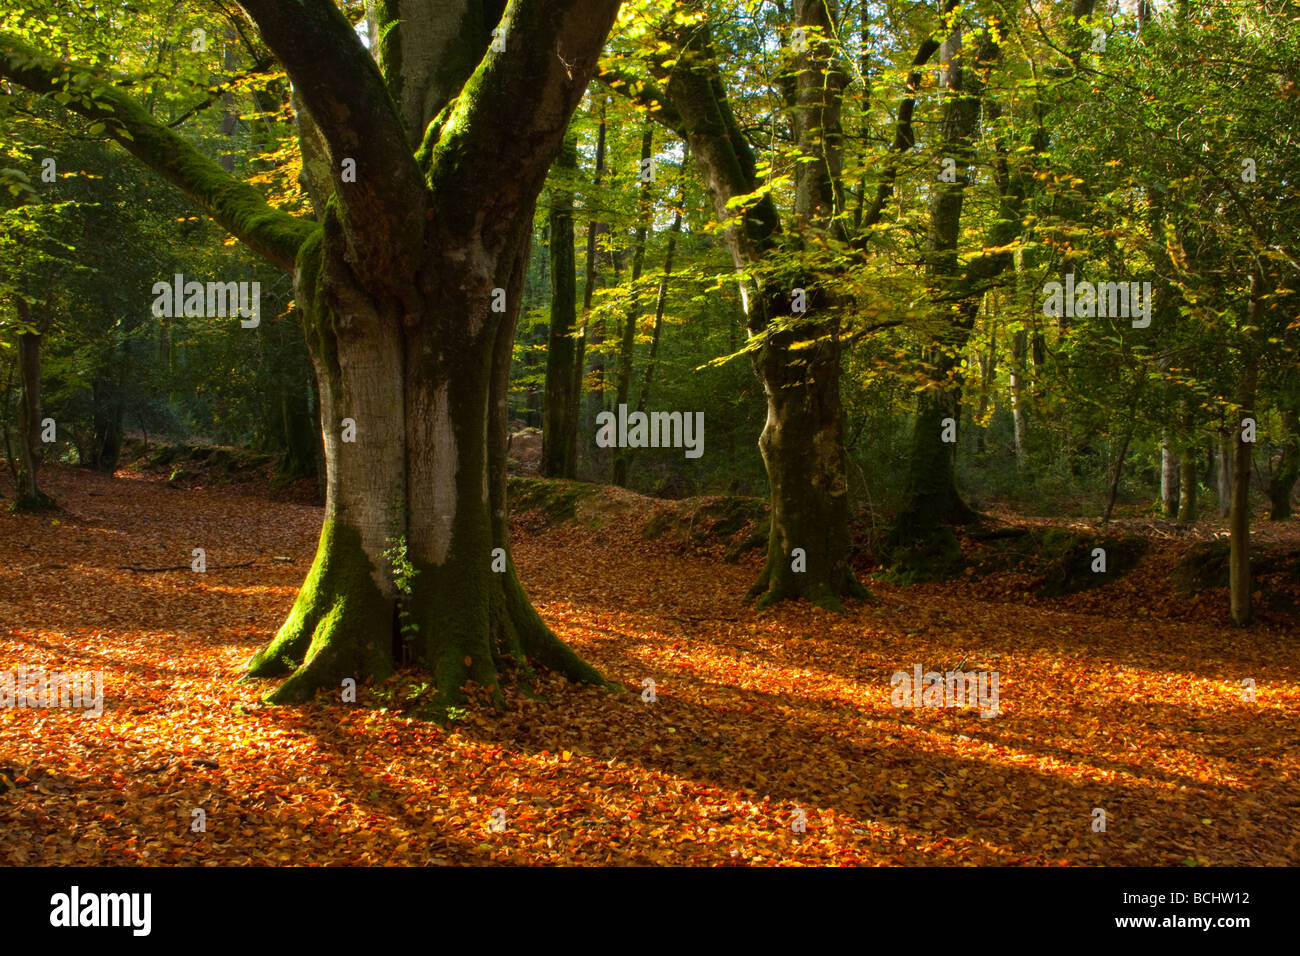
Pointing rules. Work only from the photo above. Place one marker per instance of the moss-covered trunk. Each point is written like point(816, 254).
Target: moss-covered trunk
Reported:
point(809, 543)
point(414, 420)
point(423, 156)
point(933, 503)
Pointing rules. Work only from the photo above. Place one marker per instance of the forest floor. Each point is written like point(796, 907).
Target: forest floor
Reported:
point(1126, 698)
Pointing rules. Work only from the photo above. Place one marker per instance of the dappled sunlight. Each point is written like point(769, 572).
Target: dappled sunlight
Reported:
point(759, 720)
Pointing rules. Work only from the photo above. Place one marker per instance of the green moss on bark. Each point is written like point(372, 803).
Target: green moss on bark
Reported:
point(340, 625)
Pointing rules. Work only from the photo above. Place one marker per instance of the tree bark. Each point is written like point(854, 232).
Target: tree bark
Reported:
point(932, 499)
point(1168, 477)
point(563, 379)
point(802, 443)
point(1019, 357)
point(30, 496)
point(797, 361)
point(661, 304)
point(589, 331)
point(1239, 518)
point(1187, 503)
point(633, 312)
point(1223, 473)
point(1282, 482)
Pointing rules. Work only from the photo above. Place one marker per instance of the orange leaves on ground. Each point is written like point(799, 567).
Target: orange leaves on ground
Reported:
point(762, 723)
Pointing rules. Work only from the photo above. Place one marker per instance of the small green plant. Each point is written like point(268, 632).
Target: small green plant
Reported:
point(456, 713)
point(403, 574)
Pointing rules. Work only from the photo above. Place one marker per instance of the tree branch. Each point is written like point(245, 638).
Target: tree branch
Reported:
point(237, 206)
point(340, 85)
point(516, 104)
point(644, 92)
point(904, 134)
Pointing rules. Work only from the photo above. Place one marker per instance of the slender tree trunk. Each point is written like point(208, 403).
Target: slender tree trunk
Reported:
point(590, 331)
point(986, 384)
point(1019, 350)
point(932, 500)
point(1239, 518)
point(229, 117)
point(1282, 482)
point(1187, 504)
point(1117, 473)
point(1223, 460)
point(661, 303)
point(29, 413)
point(1168, 477)
point(626, 346)
point(563, 360)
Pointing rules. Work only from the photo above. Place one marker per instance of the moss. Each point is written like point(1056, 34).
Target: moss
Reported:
point(340, 625)
point(387, 17)
point(42, 502)
point(555, 499)
point(1060, 558)
point(935, 557)
point(1203, 566)
point(1068, 558)
point(740, 522)
point(659, 525)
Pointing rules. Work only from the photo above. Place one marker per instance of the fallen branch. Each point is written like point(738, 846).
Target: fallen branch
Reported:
point(180, 567)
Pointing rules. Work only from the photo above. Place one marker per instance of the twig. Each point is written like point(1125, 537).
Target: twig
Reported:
point(180, 567)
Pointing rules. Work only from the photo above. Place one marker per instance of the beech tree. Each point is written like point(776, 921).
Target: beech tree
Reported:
point(424, 164)
point(798, 351)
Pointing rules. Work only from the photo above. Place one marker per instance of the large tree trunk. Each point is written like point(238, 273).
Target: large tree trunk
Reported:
point(427, 467)
point(798, 361)
point(400, 290)
point(802, 443)
point(803, 448)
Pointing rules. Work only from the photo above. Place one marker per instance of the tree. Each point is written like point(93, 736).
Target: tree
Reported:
point(423, 169)
point(563, 363)
point(791, 311)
